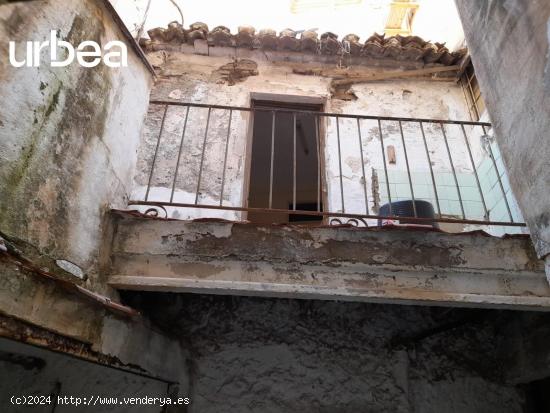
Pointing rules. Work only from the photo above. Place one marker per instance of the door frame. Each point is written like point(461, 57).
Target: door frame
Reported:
point(274, 99)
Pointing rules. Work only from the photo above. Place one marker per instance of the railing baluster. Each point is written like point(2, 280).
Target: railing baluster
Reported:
point(272, 156)
point(385, 166)
point(317, 117)
point(340, 165)
point(225, 156)
point(179, 155)
point(363, 167)
point(156, 152)
point(294, 166)
point(475, 173)
point(431, 169)
point(408, 169)
point(318, 143)
point(202, 156)
point(498, 177)
point(453, 169)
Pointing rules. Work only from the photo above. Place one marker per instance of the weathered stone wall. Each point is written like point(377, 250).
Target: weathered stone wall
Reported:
point(69, 135)
point(274, 355)
point(509, 43)
point(68, 148)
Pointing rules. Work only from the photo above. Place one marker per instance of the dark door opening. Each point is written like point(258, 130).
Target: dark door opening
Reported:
point(308, 171)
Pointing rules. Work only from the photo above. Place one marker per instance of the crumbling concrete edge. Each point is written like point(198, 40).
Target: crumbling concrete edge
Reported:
point(43, 312)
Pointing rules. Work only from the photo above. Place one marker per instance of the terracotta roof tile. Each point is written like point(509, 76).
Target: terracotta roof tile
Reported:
point(411, 48)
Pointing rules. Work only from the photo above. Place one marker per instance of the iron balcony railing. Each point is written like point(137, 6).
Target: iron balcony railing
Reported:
point(465, 186)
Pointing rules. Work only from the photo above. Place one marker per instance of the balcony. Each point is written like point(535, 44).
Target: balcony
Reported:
point(213, 180)
point(311, 167)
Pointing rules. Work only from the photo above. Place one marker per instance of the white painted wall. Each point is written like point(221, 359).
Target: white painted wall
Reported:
point(68, 135)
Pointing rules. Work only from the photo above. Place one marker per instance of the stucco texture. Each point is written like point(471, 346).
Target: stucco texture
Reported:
point(273, 355)
point(69, 135)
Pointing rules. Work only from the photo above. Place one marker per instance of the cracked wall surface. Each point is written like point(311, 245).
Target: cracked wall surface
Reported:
point(68, 143)
point(68, 138)
point(388, 265)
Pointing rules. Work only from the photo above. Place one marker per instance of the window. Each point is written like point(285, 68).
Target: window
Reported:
point(401, 17)
point(476, 104)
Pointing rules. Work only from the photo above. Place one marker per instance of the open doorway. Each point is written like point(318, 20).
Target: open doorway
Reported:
point(297, 179)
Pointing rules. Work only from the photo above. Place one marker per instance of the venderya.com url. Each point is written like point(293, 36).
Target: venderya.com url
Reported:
point(95, 400)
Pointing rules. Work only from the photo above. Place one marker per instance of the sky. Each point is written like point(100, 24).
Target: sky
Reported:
point(436, 20)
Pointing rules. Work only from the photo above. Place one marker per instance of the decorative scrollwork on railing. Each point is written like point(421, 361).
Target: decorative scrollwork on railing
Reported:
point(154, 211)
point(348, 221)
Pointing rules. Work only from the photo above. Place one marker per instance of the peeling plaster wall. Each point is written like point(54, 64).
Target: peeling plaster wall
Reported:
point(510, 46)
point(385, 265)
point(68, 136)
point(194, 78)
point(68, 149)
point(131, 341)
point(274, 355)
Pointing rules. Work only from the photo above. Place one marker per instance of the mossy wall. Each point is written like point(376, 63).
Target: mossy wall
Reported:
point(68, 135)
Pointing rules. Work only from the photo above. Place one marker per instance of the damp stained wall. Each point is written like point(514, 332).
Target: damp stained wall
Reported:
point(186, 77)
point(68, 148)
point(68, 135)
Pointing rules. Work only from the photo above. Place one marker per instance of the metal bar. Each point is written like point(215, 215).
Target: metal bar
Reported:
point(466, 97)
point(225, 156)
point(317, 118)
point(498, 178)
point(155, 155)
point(318, 143)
point(322, 213)
point(385, 166)
point(294, 167)
point(324, 114)
point(431, 169)
point(453, 168)
point(340, 165)
point(477, 98)
point(202, 155)
point(272, 156)
point(472, 98)
point(475, 173)
point(408, 169)
point(179, 155)
point(363, 167)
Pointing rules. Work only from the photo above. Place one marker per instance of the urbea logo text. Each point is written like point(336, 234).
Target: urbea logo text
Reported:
point(88, 53)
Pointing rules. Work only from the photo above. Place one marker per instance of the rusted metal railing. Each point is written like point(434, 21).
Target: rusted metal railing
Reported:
point(325, 210)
